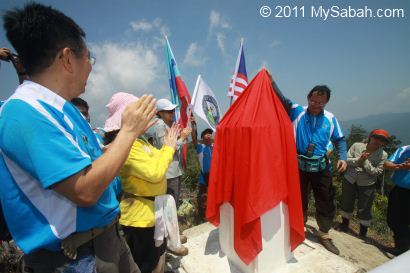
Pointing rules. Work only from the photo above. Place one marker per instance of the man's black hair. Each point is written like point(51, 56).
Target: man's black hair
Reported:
point(321, 91)
point(206, 131)
point(39, 32)
point(79, 102)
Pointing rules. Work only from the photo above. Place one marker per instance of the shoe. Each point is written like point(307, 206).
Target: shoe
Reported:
point(363, 232)
point(328, 244)
point(343, 226)
point(395, 251)
point(180, 251)
point(183, 239)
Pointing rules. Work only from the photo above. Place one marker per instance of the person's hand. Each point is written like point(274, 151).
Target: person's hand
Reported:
point(185, 133)
point(405, 165)
point(192, 120)
point(171, 136)
point(341, 166)
point(138, 115)
point(5, 54)
point(363, 157)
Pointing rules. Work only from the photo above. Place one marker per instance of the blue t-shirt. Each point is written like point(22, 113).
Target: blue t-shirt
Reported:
point(318, 130)
point(204, 156)
point(401, 178)
point(43, 140)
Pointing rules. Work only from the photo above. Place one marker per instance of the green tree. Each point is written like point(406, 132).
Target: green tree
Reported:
point(357, 134)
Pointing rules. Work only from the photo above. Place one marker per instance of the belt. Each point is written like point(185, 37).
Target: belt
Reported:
point(70, 244)
point(130, 195)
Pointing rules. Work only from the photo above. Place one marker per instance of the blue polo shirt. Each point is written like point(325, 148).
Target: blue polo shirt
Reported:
point(318, 130)
point(43, 140)
point(204, 153)
point(401, 178)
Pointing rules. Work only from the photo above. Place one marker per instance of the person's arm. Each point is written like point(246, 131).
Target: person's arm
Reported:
point(341, 148)
point(287, 103)
point(182, 138)
point(389, 165)
point(85, 187)
point(7, 55)
point(151, 167)
point(351, 158)
point(374, 170)
point(194, 133)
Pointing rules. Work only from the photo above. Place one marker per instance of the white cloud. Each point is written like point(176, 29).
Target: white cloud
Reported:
point(133, 68)
point(404, 95)
point(146, 26)
point(216, 21)
point(220, 41)
point(218, 25)
point(193, 56)
point(141, 25)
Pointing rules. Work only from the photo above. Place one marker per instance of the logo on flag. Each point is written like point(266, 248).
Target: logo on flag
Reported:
point(239, 79)
point(210, 108)
point(204, 103)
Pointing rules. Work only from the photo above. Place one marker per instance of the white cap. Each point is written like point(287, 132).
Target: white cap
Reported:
point(165, 105)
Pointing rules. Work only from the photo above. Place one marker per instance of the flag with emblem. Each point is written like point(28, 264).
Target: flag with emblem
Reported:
point(204, 103)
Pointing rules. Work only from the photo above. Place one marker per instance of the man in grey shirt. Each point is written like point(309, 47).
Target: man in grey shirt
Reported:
point(365, 163)
point(166, 111)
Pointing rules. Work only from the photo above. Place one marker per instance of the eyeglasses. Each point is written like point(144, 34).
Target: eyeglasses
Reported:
point(313, 102)
point(91, 58)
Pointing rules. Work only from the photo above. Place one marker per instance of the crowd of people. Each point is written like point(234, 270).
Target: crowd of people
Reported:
point(77, 201)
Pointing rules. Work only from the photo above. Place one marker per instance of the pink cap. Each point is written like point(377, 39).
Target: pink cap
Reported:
point(116, 106)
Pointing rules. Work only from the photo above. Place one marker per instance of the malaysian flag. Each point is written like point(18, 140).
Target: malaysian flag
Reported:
point(239, 79)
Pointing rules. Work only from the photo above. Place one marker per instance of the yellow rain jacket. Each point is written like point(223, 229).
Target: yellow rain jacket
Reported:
point(143, 175)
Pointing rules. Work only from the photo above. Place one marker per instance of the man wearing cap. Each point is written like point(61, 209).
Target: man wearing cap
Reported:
point(165, 113)
point(398, 216)
point(365, 163)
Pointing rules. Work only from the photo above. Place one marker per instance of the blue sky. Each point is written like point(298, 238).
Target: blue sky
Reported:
point(365, 61)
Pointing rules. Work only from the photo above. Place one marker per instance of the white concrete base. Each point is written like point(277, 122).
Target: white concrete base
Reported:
point(205, 256)
point(275, 240)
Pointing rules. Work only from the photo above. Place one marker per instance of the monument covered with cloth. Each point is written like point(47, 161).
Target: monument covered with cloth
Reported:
point(254, 194)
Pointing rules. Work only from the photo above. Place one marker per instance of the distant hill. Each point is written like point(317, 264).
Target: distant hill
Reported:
point(397, 124)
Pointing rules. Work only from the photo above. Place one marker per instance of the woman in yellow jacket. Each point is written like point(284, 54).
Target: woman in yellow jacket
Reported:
point(142, 178)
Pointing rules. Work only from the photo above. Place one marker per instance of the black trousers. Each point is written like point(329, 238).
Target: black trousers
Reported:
point(321, 184)
point(398, 216)
point(142, 245)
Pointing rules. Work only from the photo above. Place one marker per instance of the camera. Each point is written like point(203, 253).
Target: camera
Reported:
point(310, 150)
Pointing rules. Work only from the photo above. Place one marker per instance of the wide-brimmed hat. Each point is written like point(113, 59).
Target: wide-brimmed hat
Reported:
point(380, 133)
point(116, 106)
point(165, 105)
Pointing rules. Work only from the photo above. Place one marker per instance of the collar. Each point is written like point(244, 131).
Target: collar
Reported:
point(30, 90)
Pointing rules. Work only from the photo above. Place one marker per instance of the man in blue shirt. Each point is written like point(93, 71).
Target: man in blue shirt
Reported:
point(204, 152)
point(314, 128)
point(57, 190)
point(398, 216)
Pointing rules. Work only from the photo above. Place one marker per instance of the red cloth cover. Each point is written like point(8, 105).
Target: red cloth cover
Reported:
point(254, 167)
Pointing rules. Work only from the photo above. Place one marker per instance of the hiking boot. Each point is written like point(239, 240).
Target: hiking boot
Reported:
point(183, 239)
point(328, 244)
point(363, 232)
point(343, 226)
point(180, 251)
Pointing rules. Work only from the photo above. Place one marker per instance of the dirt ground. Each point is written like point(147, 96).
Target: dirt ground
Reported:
point(366, 254)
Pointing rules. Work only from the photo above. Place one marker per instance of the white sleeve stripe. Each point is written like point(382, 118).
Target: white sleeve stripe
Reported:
point(47, 202)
